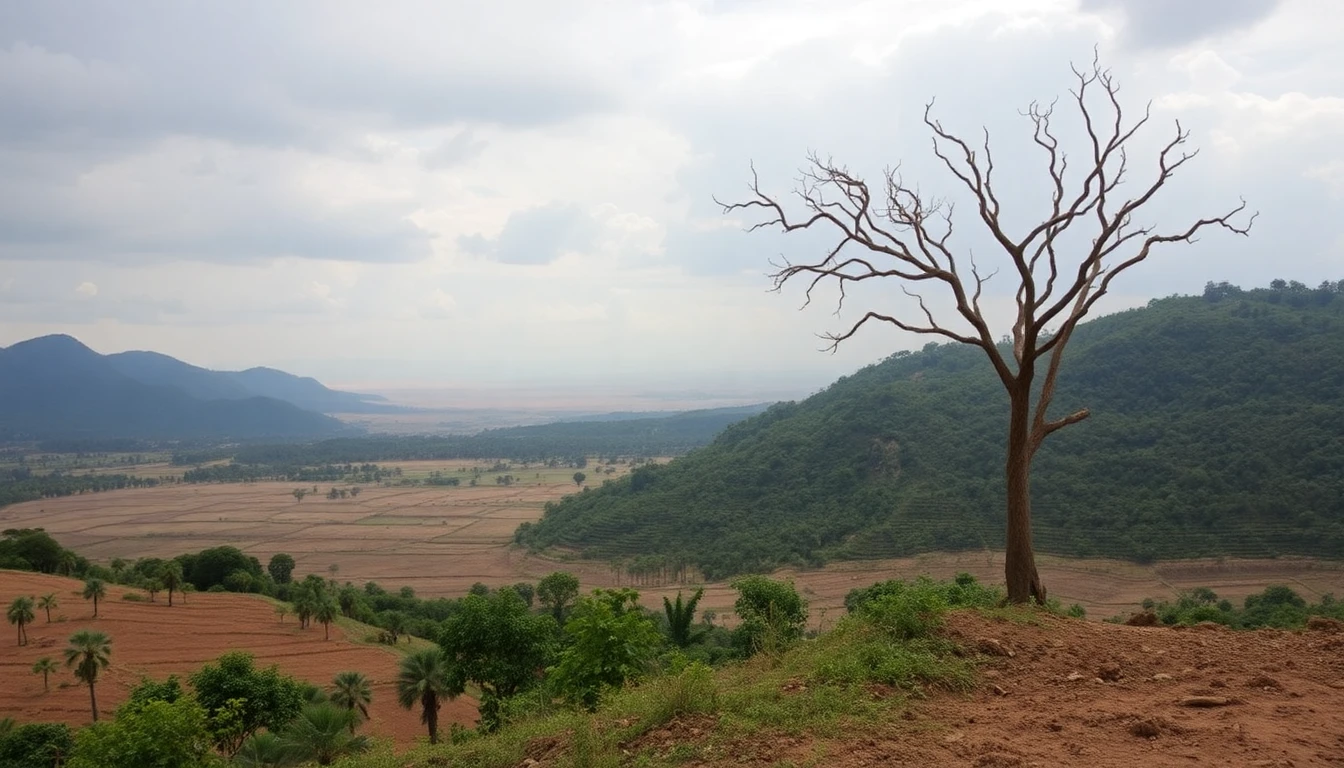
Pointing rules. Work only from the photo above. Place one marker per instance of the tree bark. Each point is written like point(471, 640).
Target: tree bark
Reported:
point(431, 705)
point(93, 703)
point(1019, 563)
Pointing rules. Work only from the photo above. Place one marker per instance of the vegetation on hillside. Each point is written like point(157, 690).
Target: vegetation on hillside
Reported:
point(1217, 429)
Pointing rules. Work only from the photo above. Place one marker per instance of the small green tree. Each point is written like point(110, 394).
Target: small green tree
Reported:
point(21, 614)
point(153, 587)
point(170, 576)
point(772, 614)
point(281, 567)
point(282, 611)
point(579, 477)
point(47, 602)
point(557, 592)
point(322, 733)
point(35, 745)
point(681, 619)
point(498, 644)
point(326, 613)
point(44, 667)
point(351, 691)
point(240, 699)
point(299, 493)
point(155, 733)
point(95, 590)
point(424, 680)
point(611, 642)
point(88, 654)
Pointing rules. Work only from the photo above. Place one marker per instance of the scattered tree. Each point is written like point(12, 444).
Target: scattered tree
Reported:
point(95, 590)
point(282, 611)
point(351, 691)
point(772, 614)
point(151, 733)
point(170, 576)
point(44, 667)
point(325, 614)
point(281, 567)
point(423, 680)
point(299, 493)
point(612, 642)
point(557, 592)
point(48, 602)
point(496, 643)
point(681, 619)
point(88, 654)
point(899, 233)
point(240, 699)
point(21, 614)
point(579, 477)
point(322, 733)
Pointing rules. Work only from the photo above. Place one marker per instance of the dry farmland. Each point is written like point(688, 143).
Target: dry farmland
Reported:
point(441, 540)
point(154, 640)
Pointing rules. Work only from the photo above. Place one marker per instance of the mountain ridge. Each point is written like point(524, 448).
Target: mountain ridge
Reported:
point(56, 387)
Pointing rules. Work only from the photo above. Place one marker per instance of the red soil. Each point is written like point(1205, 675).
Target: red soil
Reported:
point(1079, 693)
point(151, 639)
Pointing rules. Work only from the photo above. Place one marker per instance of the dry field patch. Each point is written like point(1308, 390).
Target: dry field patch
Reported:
point(154, 640)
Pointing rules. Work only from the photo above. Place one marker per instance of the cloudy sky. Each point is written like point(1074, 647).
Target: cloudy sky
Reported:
point(411, 193)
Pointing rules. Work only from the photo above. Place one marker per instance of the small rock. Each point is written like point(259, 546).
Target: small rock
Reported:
point(1161, 676)
point(1262, 681)
point(1055, 726)
point(1000, 691)
point(1075, 677)
point(1205, 701)
point(1145, 729)
point(1110, 673)
point(992, 647)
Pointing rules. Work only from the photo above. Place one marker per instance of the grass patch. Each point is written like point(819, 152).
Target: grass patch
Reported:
point(887, 652)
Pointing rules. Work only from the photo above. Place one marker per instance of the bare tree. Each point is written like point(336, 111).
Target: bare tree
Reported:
point(904, 235)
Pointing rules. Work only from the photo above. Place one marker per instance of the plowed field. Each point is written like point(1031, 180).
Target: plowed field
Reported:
point(154, 640)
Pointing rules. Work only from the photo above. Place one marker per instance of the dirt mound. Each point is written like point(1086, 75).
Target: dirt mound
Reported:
point(151, 639)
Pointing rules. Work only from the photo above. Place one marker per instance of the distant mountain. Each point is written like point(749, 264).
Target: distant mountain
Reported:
point(308, 393)
point(55, 387)
point(1217, 429)
point(204, 384)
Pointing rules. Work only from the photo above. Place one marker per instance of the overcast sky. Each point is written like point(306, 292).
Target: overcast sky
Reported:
point(475, 192)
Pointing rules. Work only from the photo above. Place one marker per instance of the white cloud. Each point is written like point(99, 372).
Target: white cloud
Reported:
point(373, 178)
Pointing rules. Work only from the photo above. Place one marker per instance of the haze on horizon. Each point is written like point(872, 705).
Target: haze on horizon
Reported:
point(416, 194)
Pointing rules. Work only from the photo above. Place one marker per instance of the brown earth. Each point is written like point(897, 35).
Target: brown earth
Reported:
point(154, 640)
point(1078, 693)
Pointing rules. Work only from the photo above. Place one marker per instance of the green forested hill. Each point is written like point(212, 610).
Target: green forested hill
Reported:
point(1217, 428)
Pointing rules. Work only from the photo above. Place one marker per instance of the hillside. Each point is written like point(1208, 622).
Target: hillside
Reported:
point(1217, 429)
point(307, 393)
point(152, 639)
point(55, 387)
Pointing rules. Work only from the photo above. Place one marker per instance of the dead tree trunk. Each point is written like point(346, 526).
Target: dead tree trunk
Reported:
point(897, 233)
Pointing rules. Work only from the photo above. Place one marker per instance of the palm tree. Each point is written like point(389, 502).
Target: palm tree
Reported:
point(326, 613)
point(351, 690)
point(170, 575)
point(118, 566)
point(47, 602)
point(681, 617)
point(323, 733)
point(263, 750)
point(95, 590)
point(88, 653)
point(44, 667)
point(424, 679)
point(21, 614)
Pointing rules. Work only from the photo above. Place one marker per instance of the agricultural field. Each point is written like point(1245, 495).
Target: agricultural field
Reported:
point(151, 639)
point(440, 540)
point(437, 539)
